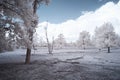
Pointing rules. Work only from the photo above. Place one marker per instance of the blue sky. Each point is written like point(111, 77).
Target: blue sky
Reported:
point(61, 10)
point(69, 18)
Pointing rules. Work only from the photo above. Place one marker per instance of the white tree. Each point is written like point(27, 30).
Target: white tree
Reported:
point(105, 37)
point(60, 42)
point(25, 12)
point(7, 36)
point(84, 39)
point(118, 41)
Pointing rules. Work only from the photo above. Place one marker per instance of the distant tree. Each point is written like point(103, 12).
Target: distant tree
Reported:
point(60, 42)
point(23, 12)
point(105, 37)
point(71, 44)
point(42, 43)
point(84, 39)
point(118, 41)
point(50, 45)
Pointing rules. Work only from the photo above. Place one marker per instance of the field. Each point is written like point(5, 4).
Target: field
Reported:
point(64, 64)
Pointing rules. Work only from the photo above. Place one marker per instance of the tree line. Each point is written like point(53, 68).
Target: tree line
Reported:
point(104, 37)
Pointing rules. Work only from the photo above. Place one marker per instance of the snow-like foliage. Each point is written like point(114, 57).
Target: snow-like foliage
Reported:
point(23, 12)
point(60, 42)
point(105, 36)
point(7, 35)
point(84, 39)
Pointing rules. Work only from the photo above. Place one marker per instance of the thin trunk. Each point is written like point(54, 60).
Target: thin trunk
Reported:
point(108, 49)
point(48, 43)
point(84, 47)
point(83, 44)
point(52, 45)
point(28, 54)
point(49, 48)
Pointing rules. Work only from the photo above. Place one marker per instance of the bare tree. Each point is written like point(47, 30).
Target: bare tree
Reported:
point(49, 45)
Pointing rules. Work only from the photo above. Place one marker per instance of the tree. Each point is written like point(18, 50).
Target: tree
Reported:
point(118, 41)
point(84, 39)
point(60, 42)
point(7, 36)
point(105, 36)
point(49, 45)
point(25, 13)
point(2, 40)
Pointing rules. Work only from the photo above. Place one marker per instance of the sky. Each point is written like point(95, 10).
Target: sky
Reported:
point(70, 17)
point(61, 10)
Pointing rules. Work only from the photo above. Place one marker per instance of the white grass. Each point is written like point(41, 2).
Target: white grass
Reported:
point(89, 56)
point(64, 64)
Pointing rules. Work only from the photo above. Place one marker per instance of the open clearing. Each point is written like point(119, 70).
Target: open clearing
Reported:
point(64, 64)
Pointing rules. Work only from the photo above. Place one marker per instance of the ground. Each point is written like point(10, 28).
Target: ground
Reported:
point(64, 64)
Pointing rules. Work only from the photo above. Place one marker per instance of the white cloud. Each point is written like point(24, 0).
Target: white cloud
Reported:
point(110, 12)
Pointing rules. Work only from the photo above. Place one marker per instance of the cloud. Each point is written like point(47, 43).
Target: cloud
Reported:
point(110, 12)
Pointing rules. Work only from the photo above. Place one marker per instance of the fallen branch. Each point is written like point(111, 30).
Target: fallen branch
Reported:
point(63, 71)
point(75, 58)
point(66, 62)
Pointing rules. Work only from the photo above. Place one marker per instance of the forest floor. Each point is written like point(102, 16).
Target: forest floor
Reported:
point(64, 64)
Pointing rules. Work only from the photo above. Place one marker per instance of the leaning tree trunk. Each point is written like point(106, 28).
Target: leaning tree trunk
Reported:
point(33, 24)
point(49, 45)
point(108, 49)
point(28, 54)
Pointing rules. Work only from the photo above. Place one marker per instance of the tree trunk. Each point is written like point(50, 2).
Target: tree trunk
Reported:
point(108, 49)
point(28, 54)
point(83, 44)
point(84, 47)
point(49, 45)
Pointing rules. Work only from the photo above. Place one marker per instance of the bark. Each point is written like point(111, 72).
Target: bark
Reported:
point(35, 5)
point(28, 54)
point(52, 43)
point(83, 44)
point(49, 45)
point(108, 49)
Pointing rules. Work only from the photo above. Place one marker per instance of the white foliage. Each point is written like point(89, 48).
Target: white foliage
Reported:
point(105, 36)
point(84, 39)
point(25, 11)
point(60, 42)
